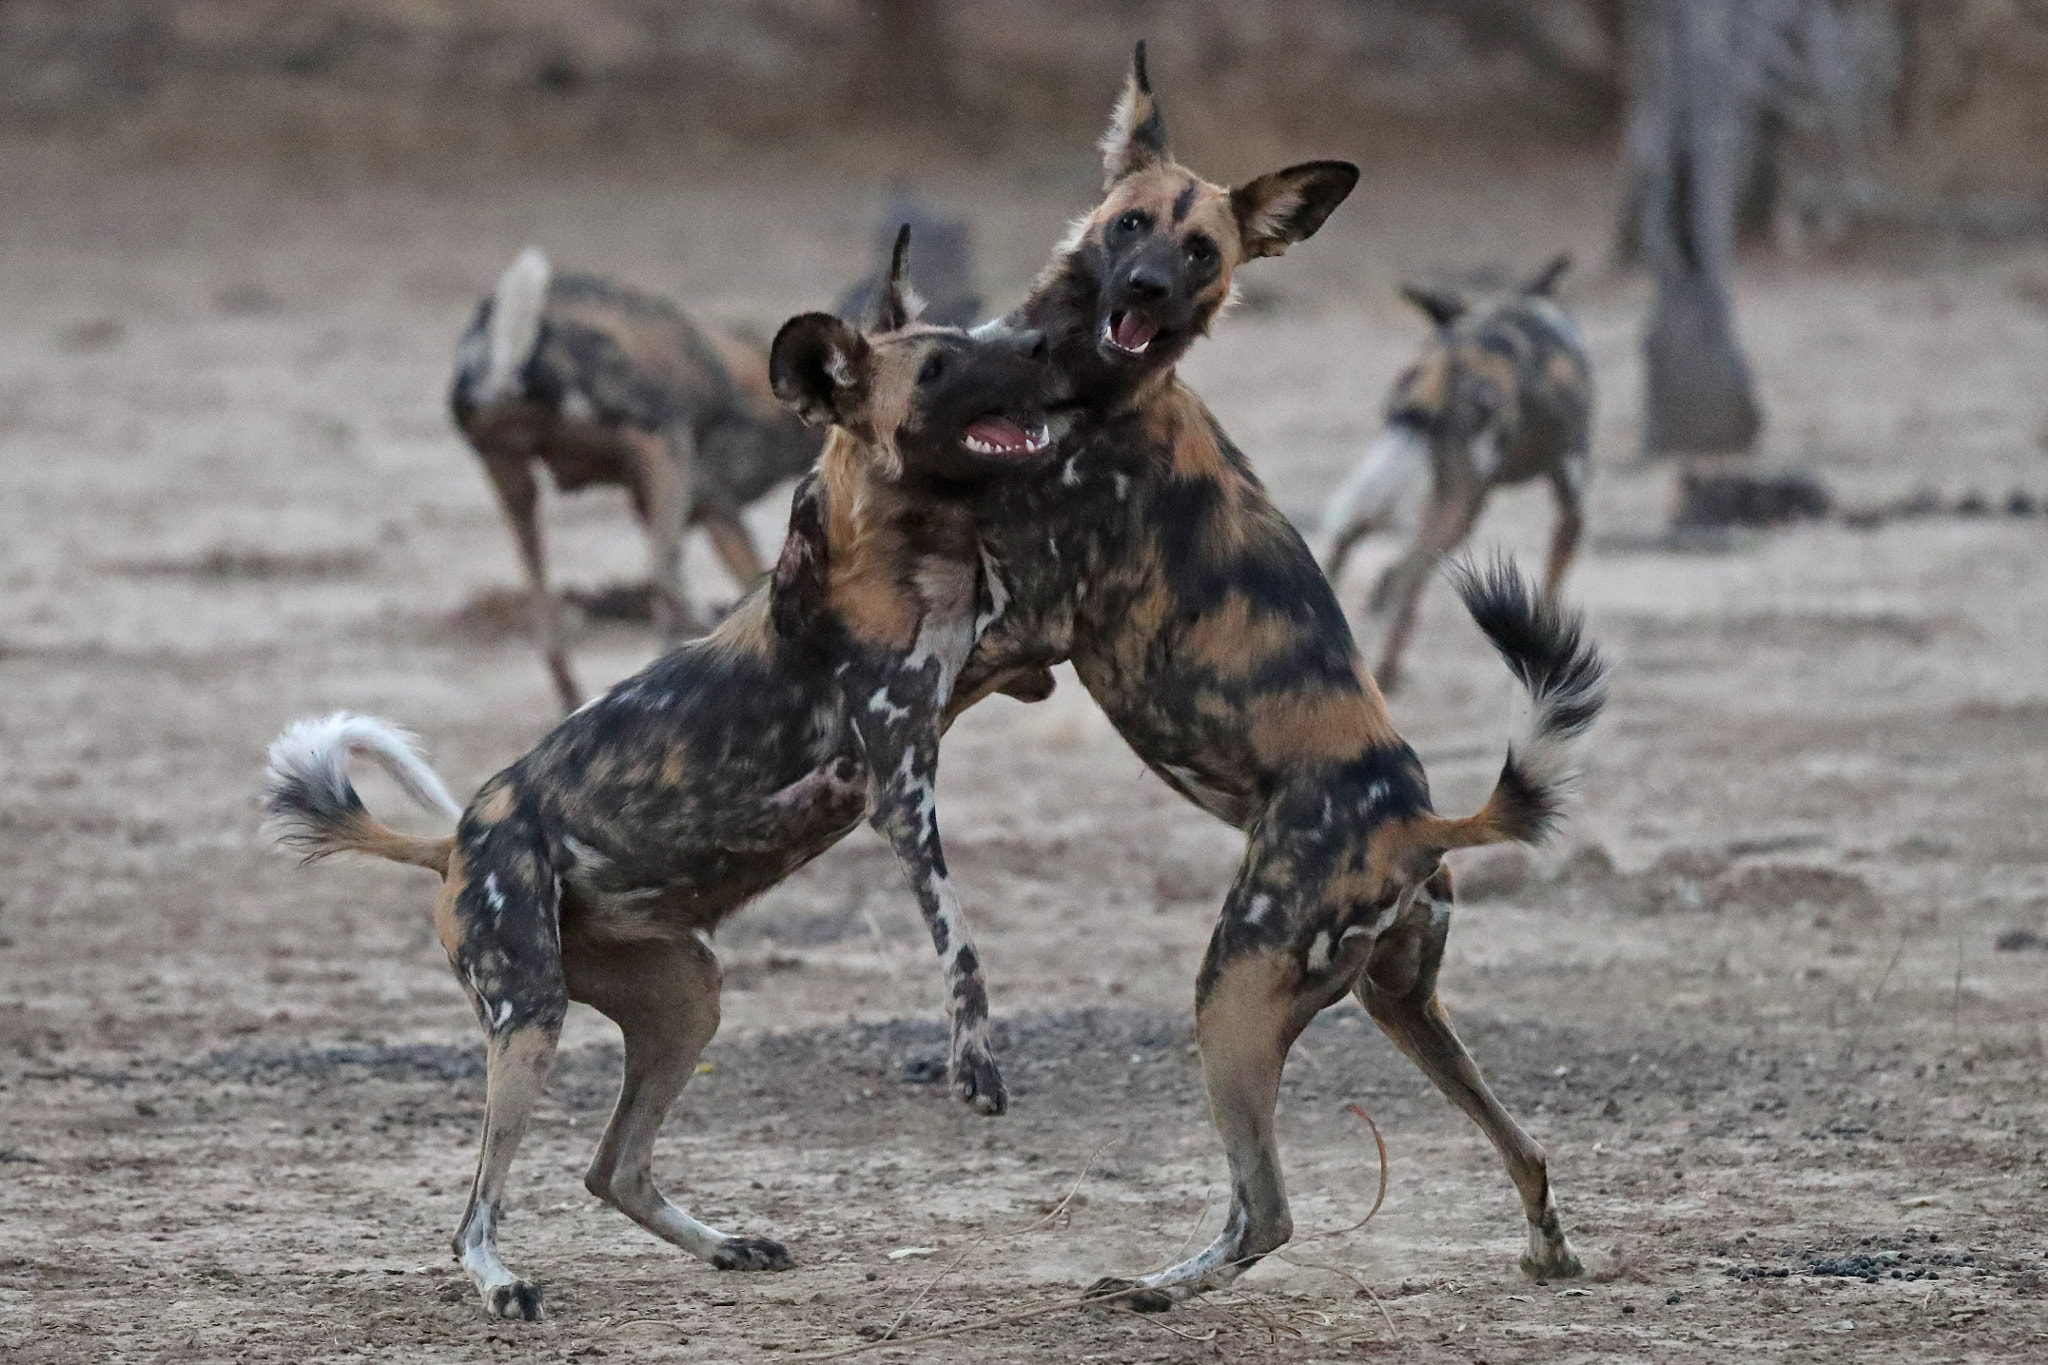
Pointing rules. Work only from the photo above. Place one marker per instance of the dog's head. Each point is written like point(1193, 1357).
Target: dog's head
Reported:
point(1147, 270)
point(928, 402)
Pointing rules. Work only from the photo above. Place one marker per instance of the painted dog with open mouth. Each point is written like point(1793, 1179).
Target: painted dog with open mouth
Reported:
point(596, 867)
point(1149, 554)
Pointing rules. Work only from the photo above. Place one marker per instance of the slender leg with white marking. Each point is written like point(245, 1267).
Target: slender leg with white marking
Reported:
point(1445, 525)
point(663, 995)
point(903, 753)
point(1399, 990)
point(500, 935)
point(519, 495)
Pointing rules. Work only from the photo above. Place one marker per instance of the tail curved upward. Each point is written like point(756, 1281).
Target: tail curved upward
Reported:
point(1547, 650)
point(514, 331)
point(311, 806)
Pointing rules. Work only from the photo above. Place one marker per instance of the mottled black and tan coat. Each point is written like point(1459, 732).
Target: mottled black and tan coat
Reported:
point(1150, 556)
point(1499, 395)
point(596, 867)
point(600, 384)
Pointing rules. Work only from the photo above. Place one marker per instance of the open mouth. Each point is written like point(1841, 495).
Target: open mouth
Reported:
point(1129, 332)
point(1005, 438)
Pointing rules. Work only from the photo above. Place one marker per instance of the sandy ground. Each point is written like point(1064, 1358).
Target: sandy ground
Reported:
point(1752, 1002)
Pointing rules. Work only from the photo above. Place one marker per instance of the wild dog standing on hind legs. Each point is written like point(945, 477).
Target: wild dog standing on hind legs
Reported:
point(596, 867)
point(1498, 396)
point(1149, 555)
point(601, 384)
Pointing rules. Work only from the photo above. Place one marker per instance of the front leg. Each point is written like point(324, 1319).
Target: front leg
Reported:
point(902, 742)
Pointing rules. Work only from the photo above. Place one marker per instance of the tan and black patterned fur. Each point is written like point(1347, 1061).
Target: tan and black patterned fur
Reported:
point(1149, 554)
point(596, 867)
point(600, 384)
point(1499, 395)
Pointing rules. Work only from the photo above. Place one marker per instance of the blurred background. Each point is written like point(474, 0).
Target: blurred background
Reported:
point(1796, 927)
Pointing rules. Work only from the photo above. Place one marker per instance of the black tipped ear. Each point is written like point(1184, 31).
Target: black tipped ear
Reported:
point(1276, 211)
point(818, 365)
point(1545, 280)
point(1136, 137)
point(1444, 306)
point(896, 303)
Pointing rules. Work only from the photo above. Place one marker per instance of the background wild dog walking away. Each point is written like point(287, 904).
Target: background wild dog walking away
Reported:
point(1774, 1005)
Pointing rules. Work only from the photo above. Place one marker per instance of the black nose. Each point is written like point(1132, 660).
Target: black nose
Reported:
point(1148, 283)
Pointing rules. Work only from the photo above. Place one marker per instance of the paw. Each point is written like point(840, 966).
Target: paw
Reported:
point(1552, 1263)
point(751, 1253)
point(518, 1301)
point(977, 1082)
point(1130, 1294)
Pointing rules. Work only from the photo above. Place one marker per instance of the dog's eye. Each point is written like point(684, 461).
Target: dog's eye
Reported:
point(1133, 220)
point(933, 367)
point(1200, 250)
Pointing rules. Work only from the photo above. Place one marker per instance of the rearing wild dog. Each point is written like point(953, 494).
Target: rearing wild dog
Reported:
point(1149, 555)
point(596, 867)
point(1498, 396)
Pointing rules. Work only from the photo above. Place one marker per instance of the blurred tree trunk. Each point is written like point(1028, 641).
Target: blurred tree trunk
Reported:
point(905, 70)
point(1689, 137)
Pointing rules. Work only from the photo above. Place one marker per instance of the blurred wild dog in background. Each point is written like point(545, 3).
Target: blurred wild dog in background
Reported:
point(1499, 395)
point(601, 384)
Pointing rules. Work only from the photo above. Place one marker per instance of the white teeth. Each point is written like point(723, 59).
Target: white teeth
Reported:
point(1109, 335)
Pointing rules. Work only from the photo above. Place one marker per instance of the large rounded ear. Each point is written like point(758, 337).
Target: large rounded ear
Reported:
point(896, 303)
point(1136, 136)
point(1444, 306)
point(1276, 211)
point(818, 366)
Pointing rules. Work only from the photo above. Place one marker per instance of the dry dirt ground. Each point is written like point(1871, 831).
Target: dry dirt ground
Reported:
point(1754, 1002)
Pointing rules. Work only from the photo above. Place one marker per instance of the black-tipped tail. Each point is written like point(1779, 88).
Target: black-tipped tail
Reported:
point(1546, 648)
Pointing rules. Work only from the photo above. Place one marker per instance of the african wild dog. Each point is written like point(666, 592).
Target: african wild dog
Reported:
point(596, 867)
point(1149, 555)
point(1498, 396)
point(602, 384)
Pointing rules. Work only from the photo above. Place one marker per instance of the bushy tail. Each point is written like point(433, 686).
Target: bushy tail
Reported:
point(1547, 651)
point(310, 805)
point(515, 322)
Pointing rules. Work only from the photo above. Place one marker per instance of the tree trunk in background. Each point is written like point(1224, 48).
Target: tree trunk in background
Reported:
point(906, 71)
point(1690, 136)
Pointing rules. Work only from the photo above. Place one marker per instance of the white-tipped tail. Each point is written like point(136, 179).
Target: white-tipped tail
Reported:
point(1384, 489)
point(313, 807)
point(516, 306)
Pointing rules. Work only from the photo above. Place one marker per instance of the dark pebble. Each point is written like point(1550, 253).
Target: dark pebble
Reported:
point(1672, 1298)
point(1628, 1308)
point(1934, 1274)
point(1898, 1274)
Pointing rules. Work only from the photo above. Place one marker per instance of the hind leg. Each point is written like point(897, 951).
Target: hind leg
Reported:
point(1569, 486)
point(1398, 989)
point(663, 469)
point(729, 537)
point(663, 995)
point(497, 921)
point(519, 495)
point(1445, 525)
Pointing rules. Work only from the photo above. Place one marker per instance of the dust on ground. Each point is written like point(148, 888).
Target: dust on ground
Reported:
point(1753, 1003)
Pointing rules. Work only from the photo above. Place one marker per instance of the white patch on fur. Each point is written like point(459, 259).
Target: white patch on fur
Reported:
point(1384, 489)
point(882, 706)
point(516, 307)
point(1260, 906)
point(577, 407)
point(493, 894)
